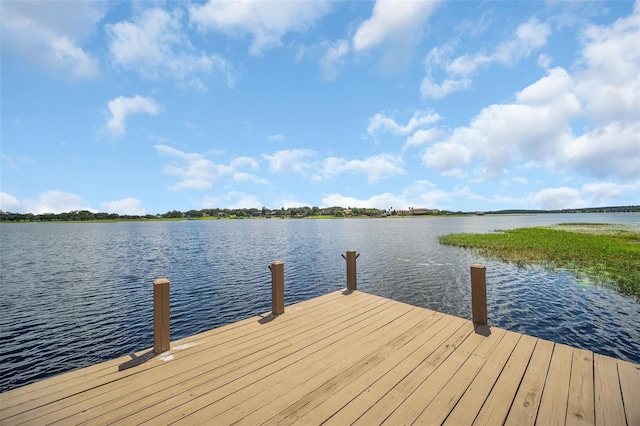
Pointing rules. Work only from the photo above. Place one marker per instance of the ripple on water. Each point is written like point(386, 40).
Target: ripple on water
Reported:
point(78, 294)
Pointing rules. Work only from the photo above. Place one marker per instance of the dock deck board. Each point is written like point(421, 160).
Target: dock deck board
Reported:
point(342, 359)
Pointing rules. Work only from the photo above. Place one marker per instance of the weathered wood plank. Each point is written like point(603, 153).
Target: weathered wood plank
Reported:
point(335, 393)
point(225, 347)
point(435, 351)
point(496, 407)
point(470, 403)
point(630, 386)
point(197, 371)
point(555, 395)
point(580, 408)
point(63, 385)
point(438, 410)
point(608, 396)
point(340, 368)
point(411, 385)
point(343, 359)
point(527, 401)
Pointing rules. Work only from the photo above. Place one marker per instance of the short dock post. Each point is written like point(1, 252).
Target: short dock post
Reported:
point(479, 294)
point(161, 315)
point(351, 270)
point(277, 287)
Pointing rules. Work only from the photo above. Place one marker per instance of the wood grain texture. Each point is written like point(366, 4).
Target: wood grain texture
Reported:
point(343, 358)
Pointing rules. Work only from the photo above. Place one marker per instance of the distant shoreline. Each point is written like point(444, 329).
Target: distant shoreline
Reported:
point(89, 217)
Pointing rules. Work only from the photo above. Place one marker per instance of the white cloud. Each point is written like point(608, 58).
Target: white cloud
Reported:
point(380, 122)
point(126, 206)
point(529, 36)
point(50, 34)
point(536, 126)
point(266, 21)
point(519, 179)
point(422, 137)
point(276, 138)
point(376, 167)
point(381, 201)
point(232, 200)
point(609, 193)
point(558, 198)
point(121, 107)
point(194, 171)
point(9, 203)
point(54, 201)
point(431, 90)
point(197, 172)
point(610, 80)
point(290, 160)
point(333, 59)
point(155, 46)
point(399, 22)
point(611, 150)
point(448, 157)
point(248, 177)
point(539, 128)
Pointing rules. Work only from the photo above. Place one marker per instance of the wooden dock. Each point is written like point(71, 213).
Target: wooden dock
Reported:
point(342, 358)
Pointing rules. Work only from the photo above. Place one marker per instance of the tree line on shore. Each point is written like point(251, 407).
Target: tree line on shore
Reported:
point(291, 212)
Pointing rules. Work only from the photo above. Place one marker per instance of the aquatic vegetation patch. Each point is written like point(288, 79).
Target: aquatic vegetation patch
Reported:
point(604, 253)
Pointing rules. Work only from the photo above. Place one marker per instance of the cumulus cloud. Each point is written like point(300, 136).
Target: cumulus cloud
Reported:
point(198, 173)
point(528, 37)
point(333, 59)
point(126, 206)
point(422, 137)
point(609, 193)
point(536, 126)
point(295, 160)
point(9, 203)
point(276, 137)
point(558, 198)
point(600, 98)
point(376, 167)
point(382, 122)
point(381, 201)
point(155, 46)
point(194, 170)
point(395, 21)
point(53, 201)
point(121, 107)
point(266, 21)
point(432, 90)
point(232, 200)
point(50, 34)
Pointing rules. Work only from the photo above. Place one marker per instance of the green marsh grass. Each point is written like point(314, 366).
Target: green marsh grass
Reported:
point(609, 254)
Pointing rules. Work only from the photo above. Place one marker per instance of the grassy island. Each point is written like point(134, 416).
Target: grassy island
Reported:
point(607, 253)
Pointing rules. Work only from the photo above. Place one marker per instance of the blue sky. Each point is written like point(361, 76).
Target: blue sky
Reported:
point(146, 107)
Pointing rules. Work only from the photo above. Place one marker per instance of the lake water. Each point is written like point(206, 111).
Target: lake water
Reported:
point(76, 294)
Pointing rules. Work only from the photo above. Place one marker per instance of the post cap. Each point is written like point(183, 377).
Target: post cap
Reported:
point(161, 281)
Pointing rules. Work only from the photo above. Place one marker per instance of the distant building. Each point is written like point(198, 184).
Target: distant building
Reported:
point(417, 212)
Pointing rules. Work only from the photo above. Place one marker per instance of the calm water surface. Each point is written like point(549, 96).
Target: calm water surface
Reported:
point(76, 294)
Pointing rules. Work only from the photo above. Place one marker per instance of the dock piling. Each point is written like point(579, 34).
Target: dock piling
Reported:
point(479, 294)
point(277, 287)
point(351, 270)
point(161, 318)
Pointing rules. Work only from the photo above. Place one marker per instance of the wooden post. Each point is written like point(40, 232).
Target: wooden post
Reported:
point(277, 287)
point(479, 294)
point(161, 315)
point(351, 270)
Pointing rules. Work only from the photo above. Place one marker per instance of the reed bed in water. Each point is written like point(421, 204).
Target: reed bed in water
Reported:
point(609, 254)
